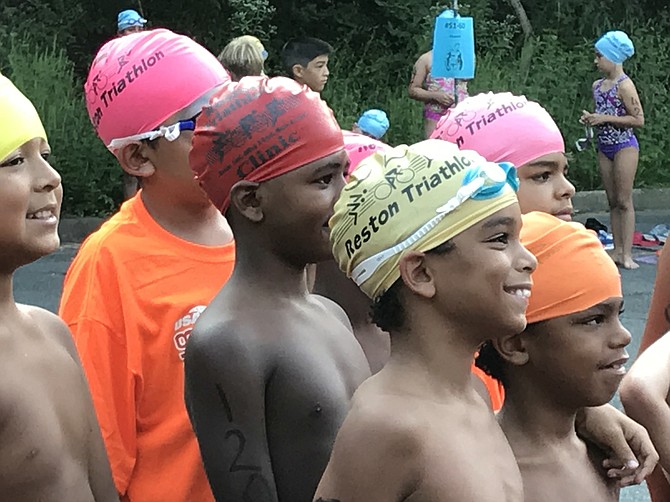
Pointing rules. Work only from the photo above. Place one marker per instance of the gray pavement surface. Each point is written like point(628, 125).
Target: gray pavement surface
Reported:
point(40, 283)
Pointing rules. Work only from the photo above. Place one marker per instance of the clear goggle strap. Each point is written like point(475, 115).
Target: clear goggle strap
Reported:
point(364, 270)
point(118, 143)
point(463, 194)
point(170, 133)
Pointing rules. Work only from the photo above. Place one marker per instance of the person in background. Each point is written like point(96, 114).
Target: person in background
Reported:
point(306, 60)
point(373, 123)
point(332, 283)
point(243, 57)
point(438, 94)
point(129, 21)
point(617, 112)
point(490, 124)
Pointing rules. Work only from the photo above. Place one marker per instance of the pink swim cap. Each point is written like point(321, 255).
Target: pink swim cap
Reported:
point(360, 147)
point(137, 81)
point(501, 128)
point(258, 129)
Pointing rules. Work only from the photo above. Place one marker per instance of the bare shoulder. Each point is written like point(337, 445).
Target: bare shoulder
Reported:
point(377, 453)
point(425, 59)
point(380, 425)
point(216, 339)
point(52, 326)
point(335, 309)
point(627, 86)
point(227, 348)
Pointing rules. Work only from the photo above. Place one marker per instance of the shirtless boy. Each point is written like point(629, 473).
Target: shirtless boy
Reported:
point(445, 268)
point(51, 448)
point(270, 369)
point(570, 356)
point(332, 283)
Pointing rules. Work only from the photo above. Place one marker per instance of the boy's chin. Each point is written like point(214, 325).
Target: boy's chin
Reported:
point(598, 399)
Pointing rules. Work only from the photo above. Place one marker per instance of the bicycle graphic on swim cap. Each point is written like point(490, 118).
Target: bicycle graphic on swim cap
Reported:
point(455, 126)
point(98, 84)
point(384, 189)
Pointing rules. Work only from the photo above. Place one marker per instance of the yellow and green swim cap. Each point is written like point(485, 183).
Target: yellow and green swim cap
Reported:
point(412, 198)
point(19, 120)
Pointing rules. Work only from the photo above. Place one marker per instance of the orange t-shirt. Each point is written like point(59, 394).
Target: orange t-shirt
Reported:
point(131, 298)
point(493, 386)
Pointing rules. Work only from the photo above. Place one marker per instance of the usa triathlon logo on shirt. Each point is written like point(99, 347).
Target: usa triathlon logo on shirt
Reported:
point(183, 328)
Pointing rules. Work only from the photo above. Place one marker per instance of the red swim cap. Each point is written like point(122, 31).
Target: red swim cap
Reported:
point(257, 129)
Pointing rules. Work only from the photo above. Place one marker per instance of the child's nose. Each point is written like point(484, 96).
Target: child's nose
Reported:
point(526, 260)
point(621, 337)
point(566, 190)
point(48, 179)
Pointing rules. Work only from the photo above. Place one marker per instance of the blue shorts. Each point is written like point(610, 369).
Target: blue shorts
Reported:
point(611, 150)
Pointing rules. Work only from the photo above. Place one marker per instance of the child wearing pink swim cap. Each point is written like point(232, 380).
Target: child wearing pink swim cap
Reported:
point(332, 283)
point(503, 127)
point(138, 284)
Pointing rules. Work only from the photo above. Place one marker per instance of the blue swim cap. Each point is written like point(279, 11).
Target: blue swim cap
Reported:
point(615, 46)
point(129, 18)
point(374, 123)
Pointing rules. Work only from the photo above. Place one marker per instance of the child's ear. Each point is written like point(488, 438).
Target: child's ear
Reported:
point(416, 276)
point(244, 195)
point(512, 349)
point(297, 70)
point(134, 161)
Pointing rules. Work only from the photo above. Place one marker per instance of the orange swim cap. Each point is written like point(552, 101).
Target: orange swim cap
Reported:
point(257, 129)
point(573, 273)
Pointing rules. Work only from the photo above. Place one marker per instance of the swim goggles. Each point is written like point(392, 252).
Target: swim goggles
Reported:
point(479, 183)
point(583, 143)
point(170, 133)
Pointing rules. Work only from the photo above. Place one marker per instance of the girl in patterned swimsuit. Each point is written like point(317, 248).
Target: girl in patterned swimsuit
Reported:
point(436, 92)
point(617, 111)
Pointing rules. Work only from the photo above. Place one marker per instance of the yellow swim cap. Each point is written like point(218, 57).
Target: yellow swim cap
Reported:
point(19, 121)
point(412, 197)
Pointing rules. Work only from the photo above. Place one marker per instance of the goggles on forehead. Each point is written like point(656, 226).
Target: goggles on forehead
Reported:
point(479, 183)
point(169, 132)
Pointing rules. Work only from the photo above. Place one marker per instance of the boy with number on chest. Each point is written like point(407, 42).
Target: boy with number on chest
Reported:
point(270, 368)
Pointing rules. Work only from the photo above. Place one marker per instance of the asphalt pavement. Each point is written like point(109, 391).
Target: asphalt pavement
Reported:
point(40, 283)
